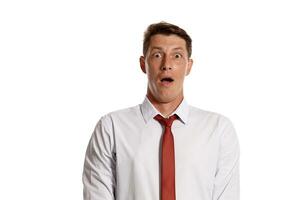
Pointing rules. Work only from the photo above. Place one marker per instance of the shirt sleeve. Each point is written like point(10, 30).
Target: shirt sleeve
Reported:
point(98, 178)
point(226, 184)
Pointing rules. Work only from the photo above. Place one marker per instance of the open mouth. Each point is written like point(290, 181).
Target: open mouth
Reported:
point(167, 80)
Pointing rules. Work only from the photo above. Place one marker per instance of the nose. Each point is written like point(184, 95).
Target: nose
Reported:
point(166, 64)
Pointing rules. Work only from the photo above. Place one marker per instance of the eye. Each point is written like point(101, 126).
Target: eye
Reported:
point(178, 55)
point(156, 55)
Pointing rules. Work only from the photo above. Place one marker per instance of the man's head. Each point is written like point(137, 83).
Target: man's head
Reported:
point(166, 29)
point(166, 61)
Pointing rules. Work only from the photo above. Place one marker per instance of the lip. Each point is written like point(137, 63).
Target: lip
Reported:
point(166, 83)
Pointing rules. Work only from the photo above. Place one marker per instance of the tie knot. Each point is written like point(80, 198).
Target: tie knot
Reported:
point(166, 121)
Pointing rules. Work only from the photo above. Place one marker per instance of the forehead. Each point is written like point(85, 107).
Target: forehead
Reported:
point(167, 41)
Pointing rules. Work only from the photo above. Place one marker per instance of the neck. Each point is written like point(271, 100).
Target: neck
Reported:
point(165, 108)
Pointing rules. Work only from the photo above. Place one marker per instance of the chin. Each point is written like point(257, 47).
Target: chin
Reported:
point(166, 98)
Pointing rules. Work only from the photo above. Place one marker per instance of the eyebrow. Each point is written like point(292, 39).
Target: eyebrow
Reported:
point(178, 48)
point(159, 48)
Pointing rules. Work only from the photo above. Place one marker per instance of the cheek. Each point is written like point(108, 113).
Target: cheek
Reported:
point(154, 65)
point(151, 76)
point(152, 72)
point(180, 74)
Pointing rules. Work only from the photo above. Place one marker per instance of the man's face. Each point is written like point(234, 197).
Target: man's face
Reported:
point(166, 64)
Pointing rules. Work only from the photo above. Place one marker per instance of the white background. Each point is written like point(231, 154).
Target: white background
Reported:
point(64, 64)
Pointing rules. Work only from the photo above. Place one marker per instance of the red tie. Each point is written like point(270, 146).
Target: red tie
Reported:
point(167, 159)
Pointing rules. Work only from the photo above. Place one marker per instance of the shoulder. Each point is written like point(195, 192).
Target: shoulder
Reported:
point(107, 124)
point(128, 113)
point(207, 116)
point(220, 124)
point(201, 113)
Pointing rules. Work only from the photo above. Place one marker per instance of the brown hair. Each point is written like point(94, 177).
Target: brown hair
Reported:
point(166, 29)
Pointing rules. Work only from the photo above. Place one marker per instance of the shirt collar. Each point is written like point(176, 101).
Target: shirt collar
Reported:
point(149, 111)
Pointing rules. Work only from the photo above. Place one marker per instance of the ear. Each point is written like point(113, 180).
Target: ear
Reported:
point(190, 64)
point(142, 64)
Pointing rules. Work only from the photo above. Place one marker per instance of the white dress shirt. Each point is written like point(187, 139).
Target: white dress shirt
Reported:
point(123, 156)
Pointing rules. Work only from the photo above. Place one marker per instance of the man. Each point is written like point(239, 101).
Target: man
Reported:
point(163, 148)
